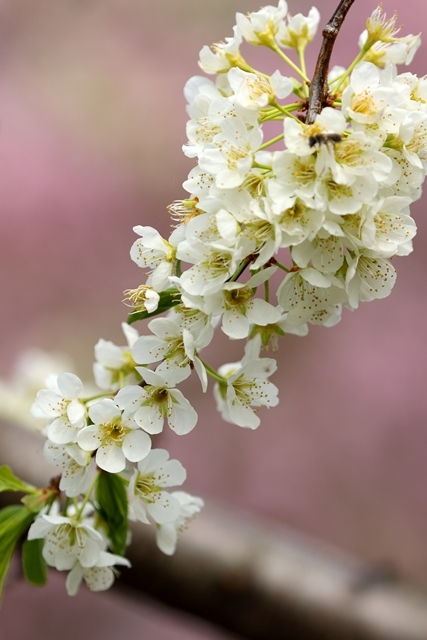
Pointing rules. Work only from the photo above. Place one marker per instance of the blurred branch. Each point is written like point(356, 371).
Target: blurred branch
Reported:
point(255, 578)
point(319, 84)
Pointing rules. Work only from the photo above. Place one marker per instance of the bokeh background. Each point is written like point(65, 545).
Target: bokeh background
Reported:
point(92, 119)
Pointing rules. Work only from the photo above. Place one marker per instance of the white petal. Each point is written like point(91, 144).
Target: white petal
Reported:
point(136, 445)
point(111, 458)
point(183, 417)
point(89, 438)
point(70, 385)
point(74, 579)
point(61, 431)
point(165, 507)
point(90, 553)
point(104, 411)
point(261, 312)
point(166, 538)
point(99, 578)
point(150, 419)
point(235, 325)
point(148, 349)
point(76, 413)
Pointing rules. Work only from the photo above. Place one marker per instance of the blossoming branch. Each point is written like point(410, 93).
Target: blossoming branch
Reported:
point(312, 181)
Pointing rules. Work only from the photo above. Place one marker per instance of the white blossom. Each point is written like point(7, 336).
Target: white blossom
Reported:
point(222, 55)
point(62, 406)
point(155, 253)
point(114, 366)
point(167, 534)
point(157, 401)
point(298, 30)
point(98, 577)
point(253, 91)
point(246, 387)
point(78, 468)
point(114, 437)
point(261, 27)
point(147, 495)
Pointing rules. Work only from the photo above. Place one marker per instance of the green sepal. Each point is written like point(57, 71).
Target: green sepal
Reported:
point(168, 299)
point(14, 521)
point(113, 509)
point(33, 563)
point(37, 500)
point(10, 482)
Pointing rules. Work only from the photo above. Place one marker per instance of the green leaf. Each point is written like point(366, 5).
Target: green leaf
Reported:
point(14, 521)
point(168, 299)
point(33, 563)
point(10, 482)
point(113, 509)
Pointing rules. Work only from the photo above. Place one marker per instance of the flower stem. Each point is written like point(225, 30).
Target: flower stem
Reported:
point(87, 496)
point(108, 394)
point(280, 265)
point(288, 61)
point(301, 57)
point(343, 77)
point(270, 142)
point(212, 373)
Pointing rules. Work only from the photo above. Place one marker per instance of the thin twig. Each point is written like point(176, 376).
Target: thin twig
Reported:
point(319, 84)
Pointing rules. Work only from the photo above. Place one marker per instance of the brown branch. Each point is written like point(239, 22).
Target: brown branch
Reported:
point(319, 85)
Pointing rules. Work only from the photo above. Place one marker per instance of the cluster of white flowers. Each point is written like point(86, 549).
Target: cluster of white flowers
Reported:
point(326, 204)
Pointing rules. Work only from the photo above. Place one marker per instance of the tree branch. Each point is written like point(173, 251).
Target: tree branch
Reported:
point(319, 84)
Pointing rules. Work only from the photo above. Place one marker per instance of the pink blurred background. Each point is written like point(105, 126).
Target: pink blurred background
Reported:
point(92, 119)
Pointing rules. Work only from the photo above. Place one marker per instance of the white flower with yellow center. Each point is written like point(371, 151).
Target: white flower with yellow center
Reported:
point(386, 228)
point(298, 136)
point(114, 437)
point(246, 386)
point(310, 296)
point(153, 252)
point(230, 155)
point(214, 263)
point(261, 27)
point(368, 278)
point(99, 577)
point(147, 496)
point(143, 298)
point(66, 540)
point(412, 139)
point(298, 30)
point(325, 252)
point(380, 44)
point(176, 346)
point(157, 401)
point(222, 55)
point(366, 101)
point(343, 199)
point(239, 308)
point(295, 176)
point(114, 366)
point(78, 470)
point(254, 91)
point(62, 406)
point(355, 155)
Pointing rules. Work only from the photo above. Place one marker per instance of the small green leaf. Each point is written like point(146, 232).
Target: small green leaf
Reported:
point(10, 482)
point(14, 521)
point(113, 509)
point(168, 299)
point(33, 563)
